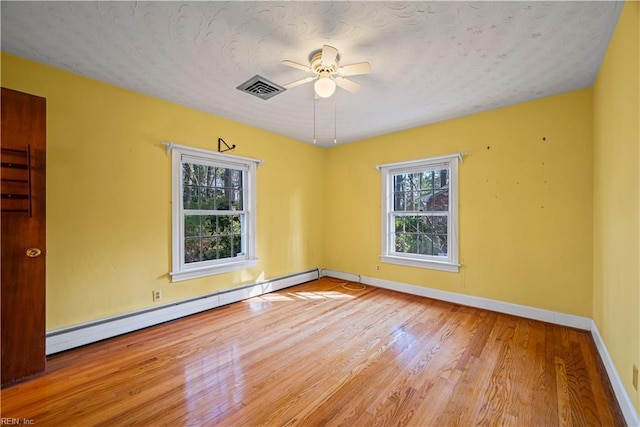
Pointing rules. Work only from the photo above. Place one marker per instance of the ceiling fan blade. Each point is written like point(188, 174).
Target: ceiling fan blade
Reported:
point(354, 69)
point(347, 84)
point(298, 82)
point(297, 65)
point(329, 55)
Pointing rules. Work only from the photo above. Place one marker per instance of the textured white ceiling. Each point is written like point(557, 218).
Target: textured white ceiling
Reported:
point(430, 60)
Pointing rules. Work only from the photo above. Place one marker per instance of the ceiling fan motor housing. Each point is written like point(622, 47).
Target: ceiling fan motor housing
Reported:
point(315, 58)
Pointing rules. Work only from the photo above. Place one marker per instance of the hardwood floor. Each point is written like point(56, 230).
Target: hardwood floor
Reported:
point(319, 354)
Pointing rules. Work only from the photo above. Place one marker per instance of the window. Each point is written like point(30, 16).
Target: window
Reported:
point(420, 213)
point(213, 213)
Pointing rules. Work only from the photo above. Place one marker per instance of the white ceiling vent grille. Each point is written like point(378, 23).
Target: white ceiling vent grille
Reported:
point(261, 87)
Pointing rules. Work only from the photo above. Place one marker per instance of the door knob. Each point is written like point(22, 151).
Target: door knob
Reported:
point(33, 252)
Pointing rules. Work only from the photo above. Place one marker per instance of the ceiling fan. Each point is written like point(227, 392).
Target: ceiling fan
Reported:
point(323, 63)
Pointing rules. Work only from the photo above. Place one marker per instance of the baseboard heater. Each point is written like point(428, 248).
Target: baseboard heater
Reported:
point(87, 333)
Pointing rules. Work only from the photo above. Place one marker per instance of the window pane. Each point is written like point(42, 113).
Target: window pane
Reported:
point(192, 250)
point(236, 243)
point(236, 179)
point(423, 191)
point(189, 174)
point(438, 224)
point(421, 235)
point(219, 202)
point(208, 249)
point(412, 201)
point(406, 243)
point(190, 197)
point(228, 199)
point(414, 224)
point(223, 247)
point(436, 196)
point(236, 225)
point(212, 188)
point(209, 225)
point(210, 237)
point(219, 225)
point(235, 199)
point(220, 177)
point(224, 225)
point(398, 192)
point(224, 201)
point(210, 177)
point(206, 196)
point(191, 225)
point(407, 191)
point(193, 174)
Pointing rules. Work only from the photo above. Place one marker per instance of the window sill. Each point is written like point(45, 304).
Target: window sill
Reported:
point(194, 273)
point(420, 263)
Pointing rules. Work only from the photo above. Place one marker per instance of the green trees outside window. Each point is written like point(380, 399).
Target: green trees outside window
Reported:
point(420, 211)
point(213, 204)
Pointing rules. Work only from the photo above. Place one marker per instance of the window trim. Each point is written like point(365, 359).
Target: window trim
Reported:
point(180, 270)
point(388, 255)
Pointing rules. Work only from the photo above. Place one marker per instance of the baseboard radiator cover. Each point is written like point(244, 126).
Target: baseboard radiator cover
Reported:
point(90, 332)
point(573, 321)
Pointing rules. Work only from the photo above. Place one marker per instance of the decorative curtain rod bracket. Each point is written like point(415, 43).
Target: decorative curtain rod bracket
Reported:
point(169, 146)
point(220, 149)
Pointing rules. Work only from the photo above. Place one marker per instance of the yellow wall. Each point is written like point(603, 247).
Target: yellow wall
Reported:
point(109, 195)
point(525, 211)
point(525, 203)
point(616, 296)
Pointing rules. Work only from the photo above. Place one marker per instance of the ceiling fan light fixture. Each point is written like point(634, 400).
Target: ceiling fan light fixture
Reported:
point(325, 86)
point(324, 64)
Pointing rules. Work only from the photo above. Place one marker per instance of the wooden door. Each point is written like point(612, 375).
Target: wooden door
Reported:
point(22, 206)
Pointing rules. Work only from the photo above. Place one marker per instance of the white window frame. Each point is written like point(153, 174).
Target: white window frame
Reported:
point(184, 271)
point(389, 255)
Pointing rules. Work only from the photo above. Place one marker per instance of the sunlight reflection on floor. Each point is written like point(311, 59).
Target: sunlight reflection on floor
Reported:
point(257, 303)
point(322, 295)
point(302, 295)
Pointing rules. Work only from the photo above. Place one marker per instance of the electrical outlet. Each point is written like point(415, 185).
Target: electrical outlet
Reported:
point(635, 377)
point(157, 295)
point(377, 267)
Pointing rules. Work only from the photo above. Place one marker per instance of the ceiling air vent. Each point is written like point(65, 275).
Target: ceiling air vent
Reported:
point(261, 87)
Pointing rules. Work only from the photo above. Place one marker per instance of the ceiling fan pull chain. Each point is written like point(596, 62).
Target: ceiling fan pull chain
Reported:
point(335, 119)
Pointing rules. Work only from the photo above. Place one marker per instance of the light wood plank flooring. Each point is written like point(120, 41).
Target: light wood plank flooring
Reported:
point(319, 354)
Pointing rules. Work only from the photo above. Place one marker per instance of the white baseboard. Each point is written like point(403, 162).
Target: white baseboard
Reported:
point(628, 410)
point(579, 322)
point(549, 316)
point(86, 333)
